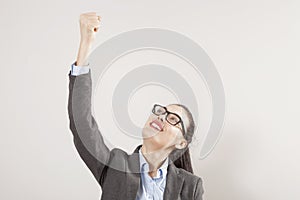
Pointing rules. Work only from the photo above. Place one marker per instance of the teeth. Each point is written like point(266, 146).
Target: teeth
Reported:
point(155, 126)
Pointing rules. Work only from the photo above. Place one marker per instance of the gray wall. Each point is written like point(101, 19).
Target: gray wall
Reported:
point(254, 45)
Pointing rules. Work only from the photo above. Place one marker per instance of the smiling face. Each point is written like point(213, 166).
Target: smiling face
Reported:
point(160, 134)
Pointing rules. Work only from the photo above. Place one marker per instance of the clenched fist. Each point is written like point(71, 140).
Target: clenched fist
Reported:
point(89, 25)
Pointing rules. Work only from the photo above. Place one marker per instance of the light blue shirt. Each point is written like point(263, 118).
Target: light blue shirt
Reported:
point(150, 188)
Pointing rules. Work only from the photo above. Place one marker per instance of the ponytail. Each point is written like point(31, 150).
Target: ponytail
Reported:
point(181, 157)
point(184, 161)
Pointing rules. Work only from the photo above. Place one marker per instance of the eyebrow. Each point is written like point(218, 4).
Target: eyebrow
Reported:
point(175, 113)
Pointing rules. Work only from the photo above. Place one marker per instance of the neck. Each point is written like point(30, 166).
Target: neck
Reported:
point(154, 157)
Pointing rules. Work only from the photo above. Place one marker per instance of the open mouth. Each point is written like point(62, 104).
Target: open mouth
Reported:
point(156, 125)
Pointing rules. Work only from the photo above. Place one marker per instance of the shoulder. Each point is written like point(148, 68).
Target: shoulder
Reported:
point(189, 177)
point(193, 182)
point(121, 160)
point(119, 151)
point(117, 159)
point(118, 154)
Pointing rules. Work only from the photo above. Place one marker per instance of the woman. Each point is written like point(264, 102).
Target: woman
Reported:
point(160, 168)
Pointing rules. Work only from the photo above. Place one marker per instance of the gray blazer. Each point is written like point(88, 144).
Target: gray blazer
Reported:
point(117, 172)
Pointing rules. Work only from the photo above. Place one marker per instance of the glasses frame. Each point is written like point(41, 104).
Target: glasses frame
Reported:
point(166, 117)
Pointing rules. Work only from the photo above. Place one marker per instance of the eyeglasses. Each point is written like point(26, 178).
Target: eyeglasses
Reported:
point(171, 118)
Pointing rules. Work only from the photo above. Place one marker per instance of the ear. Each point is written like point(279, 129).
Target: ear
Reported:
point(181, 144)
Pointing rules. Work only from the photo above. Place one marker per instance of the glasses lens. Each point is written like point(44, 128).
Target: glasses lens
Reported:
point(158, 110)
point(173, 119)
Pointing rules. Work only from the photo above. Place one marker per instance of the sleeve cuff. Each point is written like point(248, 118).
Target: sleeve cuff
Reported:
point(78, 70)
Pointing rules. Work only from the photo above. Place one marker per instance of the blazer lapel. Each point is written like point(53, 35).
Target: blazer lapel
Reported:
point(174, 182)
point(174, 178)
point(133, 175)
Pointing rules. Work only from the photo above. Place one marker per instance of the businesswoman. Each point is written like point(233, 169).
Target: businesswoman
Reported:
point(160, 168)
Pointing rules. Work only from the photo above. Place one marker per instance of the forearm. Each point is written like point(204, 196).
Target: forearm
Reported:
point(83, 53)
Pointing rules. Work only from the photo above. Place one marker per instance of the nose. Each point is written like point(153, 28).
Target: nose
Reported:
point(161, 117)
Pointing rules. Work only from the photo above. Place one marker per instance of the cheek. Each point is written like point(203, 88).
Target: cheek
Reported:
point(172, 131)
point(169, 136)
point(161, 139)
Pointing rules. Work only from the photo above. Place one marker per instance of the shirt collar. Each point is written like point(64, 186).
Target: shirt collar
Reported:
point(144, 166)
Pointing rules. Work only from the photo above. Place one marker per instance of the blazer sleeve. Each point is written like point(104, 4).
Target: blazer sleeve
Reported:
point(87, 138)
point(199, 190)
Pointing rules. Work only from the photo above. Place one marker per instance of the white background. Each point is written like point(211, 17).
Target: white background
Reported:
point(254, 45)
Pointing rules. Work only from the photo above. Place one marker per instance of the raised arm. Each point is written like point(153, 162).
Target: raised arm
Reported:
point(86, 135)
